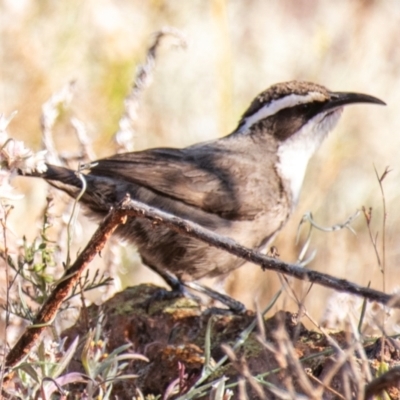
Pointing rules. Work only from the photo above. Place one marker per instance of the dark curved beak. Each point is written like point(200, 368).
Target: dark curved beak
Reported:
point(339, 99)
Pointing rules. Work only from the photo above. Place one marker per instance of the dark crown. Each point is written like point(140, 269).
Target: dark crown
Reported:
point(280, 90)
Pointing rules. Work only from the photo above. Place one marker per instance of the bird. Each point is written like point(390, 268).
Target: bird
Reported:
point(244, 185)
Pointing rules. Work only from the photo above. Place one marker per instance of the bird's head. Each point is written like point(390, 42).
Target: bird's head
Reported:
point(298, 115)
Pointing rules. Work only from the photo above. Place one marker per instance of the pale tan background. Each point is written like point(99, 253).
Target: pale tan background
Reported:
point(236, 49)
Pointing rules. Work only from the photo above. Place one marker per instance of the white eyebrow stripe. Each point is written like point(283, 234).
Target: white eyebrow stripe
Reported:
point(278, 105)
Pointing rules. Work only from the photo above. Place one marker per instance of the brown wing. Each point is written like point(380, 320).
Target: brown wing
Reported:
point(197, 178)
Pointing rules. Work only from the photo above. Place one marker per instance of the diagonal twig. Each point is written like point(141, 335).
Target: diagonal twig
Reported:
point(134, 208)
point(50, 308)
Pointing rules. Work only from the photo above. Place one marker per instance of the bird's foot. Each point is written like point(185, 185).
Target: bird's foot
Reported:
point(163, 294)
point(176, 292)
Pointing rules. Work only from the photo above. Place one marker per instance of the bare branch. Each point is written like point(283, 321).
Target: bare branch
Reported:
point(50, 308)
point(137, 209)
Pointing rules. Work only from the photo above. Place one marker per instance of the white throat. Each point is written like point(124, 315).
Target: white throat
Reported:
point(295, 152)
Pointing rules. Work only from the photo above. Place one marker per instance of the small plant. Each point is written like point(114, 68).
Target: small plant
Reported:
point(102, 368)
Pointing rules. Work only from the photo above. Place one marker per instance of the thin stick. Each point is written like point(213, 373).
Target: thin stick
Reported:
point(136, 209)
point(3, 223)
point(50, 308)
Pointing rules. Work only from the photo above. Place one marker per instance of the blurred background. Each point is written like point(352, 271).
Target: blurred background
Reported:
point(235, 50)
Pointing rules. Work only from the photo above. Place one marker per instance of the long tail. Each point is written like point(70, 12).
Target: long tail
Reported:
point(100, 194)
point(61, 178)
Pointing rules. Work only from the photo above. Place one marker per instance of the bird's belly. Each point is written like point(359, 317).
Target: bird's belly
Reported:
point(192, 259)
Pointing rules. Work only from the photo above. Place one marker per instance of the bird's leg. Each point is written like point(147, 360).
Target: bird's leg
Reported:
point(169, 278)
point(179, 289)
point(233, 305)
point(177, 286)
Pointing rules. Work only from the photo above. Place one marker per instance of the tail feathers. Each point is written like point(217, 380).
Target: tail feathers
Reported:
point(100, 193)
point(62, 178)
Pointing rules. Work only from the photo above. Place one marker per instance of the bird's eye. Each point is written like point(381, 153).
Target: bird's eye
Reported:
point(306, 106)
